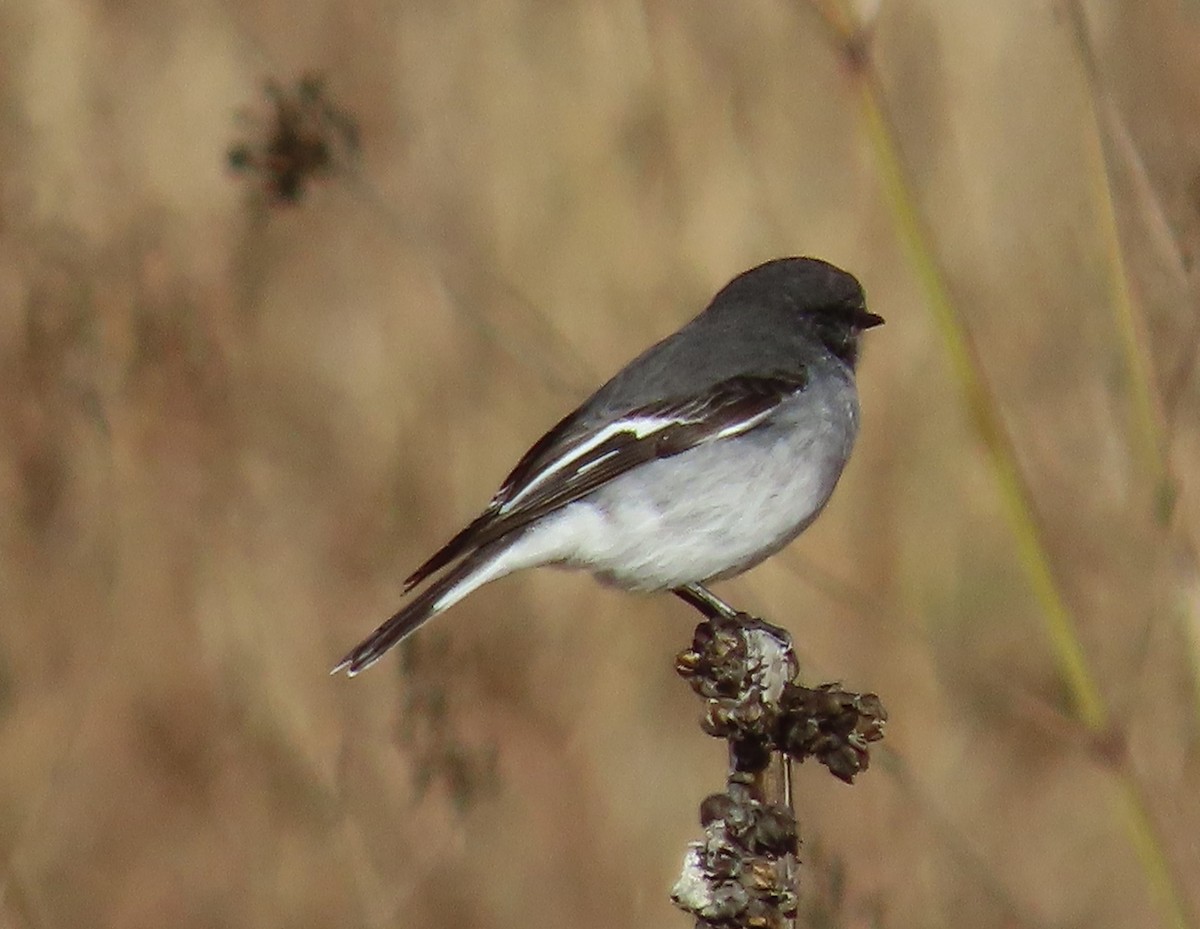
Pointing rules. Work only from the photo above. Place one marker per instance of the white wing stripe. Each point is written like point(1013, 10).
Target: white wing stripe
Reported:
point(640, 427)
point(585, 468)
point(742, 425)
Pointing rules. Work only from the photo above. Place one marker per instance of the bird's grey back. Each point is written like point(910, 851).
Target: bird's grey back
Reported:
point(737, 340)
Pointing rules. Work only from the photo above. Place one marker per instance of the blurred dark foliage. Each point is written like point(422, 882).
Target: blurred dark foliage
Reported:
point(301, 140)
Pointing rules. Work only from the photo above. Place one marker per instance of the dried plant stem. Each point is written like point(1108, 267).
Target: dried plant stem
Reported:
point(1061, 627)
point(775, 781)
point(744, 871)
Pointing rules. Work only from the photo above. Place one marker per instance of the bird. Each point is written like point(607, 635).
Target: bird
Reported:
point(702, 457)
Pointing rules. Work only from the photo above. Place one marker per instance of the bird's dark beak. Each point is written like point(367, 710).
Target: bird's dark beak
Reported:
point(864, 319)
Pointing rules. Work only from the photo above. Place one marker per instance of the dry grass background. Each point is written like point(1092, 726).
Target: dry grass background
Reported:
point(228, 432)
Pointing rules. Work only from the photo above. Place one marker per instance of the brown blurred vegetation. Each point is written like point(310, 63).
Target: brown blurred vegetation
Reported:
point(228, 431)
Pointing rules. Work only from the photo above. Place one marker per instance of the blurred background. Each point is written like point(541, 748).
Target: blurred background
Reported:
point(234, 415)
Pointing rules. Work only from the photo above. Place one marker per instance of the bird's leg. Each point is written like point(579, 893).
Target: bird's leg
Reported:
point(704, 600)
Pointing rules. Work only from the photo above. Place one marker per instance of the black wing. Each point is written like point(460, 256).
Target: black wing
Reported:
point(569, 462)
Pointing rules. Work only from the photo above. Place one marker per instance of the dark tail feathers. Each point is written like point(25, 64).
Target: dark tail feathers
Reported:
point(470, 574)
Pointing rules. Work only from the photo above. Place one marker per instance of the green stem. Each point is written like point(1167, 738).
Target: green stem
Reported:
point(1061, 628)
point(1149, 440)
point(1060, 624)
